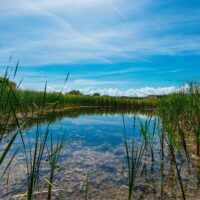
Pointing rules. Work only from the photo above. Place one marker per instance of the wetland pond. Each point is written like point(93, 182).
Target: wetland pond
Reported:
point(94, 155)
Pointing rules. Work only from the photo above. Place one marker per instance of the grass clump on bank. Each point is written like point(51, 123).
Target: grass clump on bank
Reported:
point(182, 112)
point(176, 134)
point(34, 154)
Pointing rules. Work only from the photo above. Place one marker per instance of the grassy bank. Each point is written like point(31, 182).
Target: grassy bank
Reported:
point(178, 142)
point(31, 101)
point(181, 114)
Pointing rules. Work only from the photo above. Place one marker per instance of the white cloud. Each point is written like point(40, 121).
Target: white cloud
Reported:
point(169, 71)
point(142, 92)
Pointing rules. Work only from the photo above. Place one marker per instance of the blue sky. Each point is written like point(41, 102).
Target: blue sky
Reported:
point(117, 47)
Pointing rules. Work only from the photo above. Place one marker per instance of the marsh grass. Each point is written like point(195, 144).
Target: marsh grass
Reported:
point(180, 127)
point(195, 95)
point(178, 132)
point(53, 155)
point(11, 104)
point(133, 160)
point(7, 108)
point(148, 135)
point(87, 188)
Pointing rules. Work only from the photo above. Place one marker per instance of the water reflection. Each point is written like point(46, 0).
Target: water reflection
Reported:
point(94, 150)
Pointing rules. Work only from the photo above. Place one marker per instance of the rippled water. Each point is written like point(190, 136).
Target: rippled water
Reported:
point(94, 151)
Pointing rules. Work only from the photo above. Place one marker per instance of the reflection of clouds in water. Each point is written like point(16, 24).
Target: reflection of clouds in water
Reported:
point(113, 120)
point(88, 121)
point(111, 115)
point(141, 116)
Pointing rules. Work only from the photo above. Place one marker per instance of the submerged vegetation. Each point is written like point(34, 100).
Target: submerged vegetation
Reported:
point(175, 132)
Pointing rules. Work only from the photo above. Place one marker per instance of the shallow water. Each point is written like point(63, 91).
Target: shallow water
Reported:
point(94, 151)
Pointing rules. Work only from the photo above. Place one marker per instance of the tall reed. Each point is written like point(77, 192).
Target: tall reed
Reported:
point(10, 106)
point(133, 160)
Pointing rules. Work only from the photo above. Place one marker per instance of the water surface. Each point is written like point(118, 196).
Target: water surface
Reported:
point(94, 154)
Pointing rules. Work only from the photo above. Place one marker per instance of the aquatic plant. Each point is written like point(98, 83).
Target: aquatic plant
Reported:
point(10, 106)
point(7, 108)
point(133, 160)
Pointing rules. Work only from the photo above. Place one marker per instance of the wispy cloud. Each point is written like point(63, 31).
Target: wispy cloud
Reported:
point(170, 71)
point(95, 31)
point(107, 43)
point(116, 9)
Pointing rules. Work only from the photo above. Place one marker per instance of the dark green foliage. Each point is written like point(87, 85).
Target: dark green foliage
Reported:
point(96, 94)
point(6, 82)
point(75, 92)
